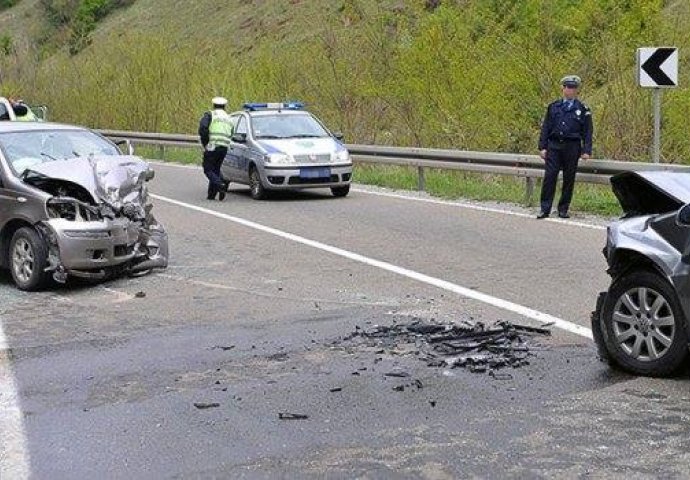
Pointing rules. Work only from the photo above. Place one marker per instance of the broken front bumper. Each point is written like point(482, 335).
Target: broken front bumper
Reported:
point(92, 248)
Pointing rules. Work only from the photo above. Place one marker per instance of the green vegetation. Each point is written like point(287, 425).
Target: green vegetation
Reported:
point(7, 3)
point(465, 74)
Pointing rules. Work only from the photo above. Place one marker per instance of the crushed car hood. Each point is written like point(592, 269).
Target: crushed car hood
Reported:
point(116, 180)
point(650, 193)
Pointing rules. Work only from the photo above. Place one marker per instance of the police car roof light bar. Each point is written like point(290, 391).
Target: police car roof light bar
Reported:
point(274, 106)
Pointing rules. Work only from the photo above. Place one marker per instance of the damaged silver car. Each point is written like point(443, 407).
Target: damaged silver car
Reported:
point(71, 204)
point(641, 323)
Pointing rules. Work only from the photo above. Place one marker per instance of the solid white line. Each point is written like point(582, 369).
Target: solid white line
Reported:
point(14, 458)
point(420, 277)
point(433, 201)
point(479, 208)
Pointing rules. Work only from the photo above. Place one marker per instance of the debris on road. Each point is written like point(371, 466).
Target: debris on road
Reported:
point(336, 389)
point(224, 348)
point(476, 347)
point(140, 295)
point(292, 416)
point(204, 406)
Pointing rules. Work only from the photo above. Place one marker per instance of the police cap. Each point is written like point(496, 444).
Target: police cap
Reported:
point(571, 81)
point(219, 102)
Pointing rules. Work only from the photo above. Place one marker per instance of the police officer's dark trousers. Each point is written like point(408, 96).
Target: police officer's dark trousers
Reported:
point(560, 156)
point(212, 163)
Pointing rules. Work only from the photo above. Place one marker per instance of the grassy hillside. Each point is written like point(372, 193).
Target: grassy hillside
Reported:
point(469, 74)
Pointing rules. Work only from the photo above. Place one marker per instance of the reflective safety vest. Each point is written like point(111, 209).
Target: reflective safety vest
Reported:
point(27, 117)
point(220, 130)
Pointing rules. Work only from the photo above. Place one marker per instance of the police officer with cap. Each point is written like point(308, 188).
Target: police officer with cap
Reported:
point(566, 136)
point(215, 132)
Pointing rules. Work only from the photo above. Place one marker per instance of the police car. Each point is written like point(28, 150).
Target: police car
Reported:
point(280, 146)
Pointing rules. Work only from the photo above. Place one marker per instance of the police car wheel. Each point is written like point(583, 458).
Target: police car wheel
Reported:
point(257, 189)
point(643, 325)
point(340, 191)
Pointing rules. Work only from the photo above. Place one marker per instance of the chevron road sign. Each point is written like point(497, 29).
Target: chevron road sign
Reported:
point(657, 67)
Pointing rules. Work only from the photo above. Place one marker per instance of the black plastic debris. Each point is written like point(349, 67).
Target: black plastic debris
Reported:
point(140, 295)
point(476, 347)
point(225, 348)
point(292, 416)
point(399, 388)
point(336, 389)
point(204, 405)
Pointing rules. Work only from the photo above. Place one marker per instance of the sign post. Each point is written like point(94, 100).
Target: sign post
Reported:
point(657, 68)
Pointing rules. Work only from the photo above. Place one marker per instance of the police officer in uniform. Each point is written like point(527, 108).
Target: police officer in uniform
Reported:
point(215, 132)
point(22, 112)
point(566, 136)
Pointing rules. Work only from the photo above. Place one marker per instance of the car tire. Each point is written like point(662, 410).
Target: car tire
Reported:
point(28, 259)
point(257, 189)
point(340, 191)
point(644, 337)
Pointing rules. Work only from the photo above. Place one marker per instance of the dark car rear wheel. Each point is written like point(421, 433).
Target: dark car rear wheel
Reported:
point(340, 191)
point(28, 260)
point(258, 191)
point(643, 325)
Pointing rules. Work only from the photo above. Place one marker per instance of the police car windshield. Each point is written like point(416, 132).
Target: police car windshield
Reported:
point(281, 126)
point(26, 149)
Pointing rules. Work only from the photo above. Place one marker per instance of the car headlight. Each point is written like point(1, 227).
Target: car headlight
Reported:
point(278, 158)
point(342, 156)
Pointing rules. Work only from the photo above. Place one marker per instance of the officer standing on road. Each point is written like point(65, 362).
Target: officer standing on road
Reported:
point(215, 132)
point(566, 136)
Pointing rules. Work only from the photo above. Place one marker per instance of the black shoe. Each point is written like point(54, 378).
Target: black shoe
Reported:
point(542, 215)
point(563, 215)
point(221, 195)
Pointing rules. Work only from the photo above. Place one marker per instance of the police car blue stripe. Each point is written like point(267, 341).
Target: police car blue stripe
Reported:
point(269, 148)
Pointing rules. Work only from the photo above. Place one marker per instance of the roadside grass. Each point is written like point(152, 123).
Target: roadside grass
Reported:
point(589, 198)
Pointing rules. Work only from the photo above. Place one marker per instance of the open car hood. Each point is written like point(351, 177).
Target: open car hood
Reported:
point(115, 180)
point(652, 192)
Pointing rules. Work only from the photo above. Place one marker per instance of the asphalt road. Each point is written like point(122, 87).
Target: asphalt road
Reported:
point(246, 316)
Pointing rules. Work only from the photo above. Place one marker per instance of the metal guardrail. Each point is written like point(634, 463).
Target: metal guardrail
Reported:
point(529, 167)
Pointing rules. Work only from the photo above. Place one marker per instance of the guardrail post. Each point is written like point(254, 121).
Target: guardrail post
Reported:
point(161, 152)
point(421, 179)
point(529, 191)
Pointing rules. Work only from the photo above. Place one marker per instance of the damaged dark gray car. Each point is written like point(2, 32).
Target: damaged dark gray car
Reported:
point(641, 323)
point(72, 205)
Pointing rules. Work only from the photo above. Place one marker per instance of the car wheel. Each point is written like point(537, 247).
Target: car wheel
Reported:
point(340, 191)
point(258, 191)
point(643, 325)
point(28, 260)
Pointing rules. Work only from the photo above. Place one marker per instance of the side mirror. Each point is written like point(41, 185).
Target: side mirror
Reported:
point(239, 137)
point(129, 147)
point(150, 173)
point(338, 135)
point(683, 216)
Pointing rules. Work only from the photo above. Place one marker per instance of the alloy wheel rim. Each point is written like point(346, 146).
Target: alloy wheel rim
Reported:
point(643, 324)
point(23, 260)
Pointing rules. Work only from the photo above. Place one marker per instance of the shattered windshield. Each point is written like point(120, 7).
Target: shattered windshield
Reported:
point(24, 150)
point(287, 126)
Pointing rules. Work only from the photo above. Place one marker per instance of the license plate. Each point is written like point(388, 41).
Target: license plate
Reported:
point(315, 173)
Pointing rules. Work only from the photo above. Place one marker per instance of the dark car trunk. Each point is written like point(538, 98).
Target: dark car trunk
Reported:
point(649, 193)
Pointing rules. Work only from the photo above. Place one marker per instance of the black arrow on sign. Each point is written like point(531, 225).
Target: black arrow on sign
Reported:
point(653, 66)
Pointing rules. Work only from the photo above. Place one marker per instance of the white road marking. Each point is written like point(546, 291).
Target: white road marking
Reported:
point(434, 201)
point(420, 277)
point(479, 208)
point(14, 456)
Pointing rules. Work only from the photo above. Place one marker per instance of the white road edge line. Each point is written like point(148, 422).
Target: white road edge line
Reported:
point(420, 277)
point(433, 201)
point(14, 457)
